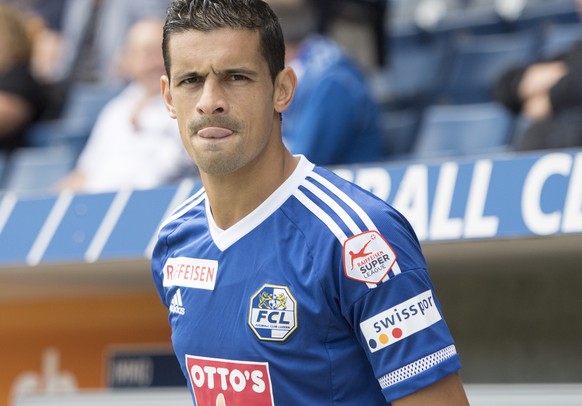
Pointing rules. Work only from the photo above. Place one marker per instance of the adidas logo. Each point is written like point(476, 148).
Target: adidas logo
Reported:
point(176, 305)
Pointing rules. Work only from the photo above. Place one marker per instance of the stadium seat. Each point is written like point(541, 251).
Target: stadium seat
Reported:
point(470, 21)
point(66, 131)
point(557, 38)
point(478, 61)
point(3, 159)
point(461, 130)
point(540, 13)
point(399, 128)
point(416, 70)
point(38, 168)
point(402, 12)
point(73, 127)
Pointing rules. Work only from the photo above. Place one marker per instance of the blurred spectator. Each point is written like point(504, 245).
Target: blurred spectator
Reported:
point(548, 94)
point(79, 41)
point(341, 19)
point(134, 144)
point(22, 98)
point(333, 118)
point(44, 19)
point(91, 30)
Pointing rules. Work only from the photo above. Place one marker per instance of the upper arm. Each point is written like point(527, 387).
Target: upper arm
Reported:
point(448, 391)
point(15, 111)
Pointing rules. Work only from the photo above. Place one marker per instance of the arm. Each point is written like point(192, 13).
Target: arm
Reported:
point(446, 392)
point(540, 78)
point(74, 181)
point(15, 112)
point(536, 85)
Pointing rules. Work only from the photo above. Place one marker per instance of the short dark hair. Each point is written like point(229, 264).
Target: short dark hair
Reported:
point(208, 15)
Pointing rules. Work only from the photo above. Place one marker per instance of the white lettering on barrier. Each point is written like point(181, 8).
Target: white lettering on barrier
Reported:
point(412, 199)
point(442, 226)
point(477, 225)
point(473, 224)
point(534, 217)
point(572, 220)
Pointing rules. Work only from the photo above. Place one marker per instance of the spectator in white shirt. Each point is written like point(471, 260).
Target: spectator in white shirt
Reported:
point(134, 144)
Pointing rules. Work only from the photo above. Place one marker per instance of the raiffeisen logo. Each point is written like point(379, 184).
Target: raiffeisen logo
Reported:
point(400, 321)
point(368, 257)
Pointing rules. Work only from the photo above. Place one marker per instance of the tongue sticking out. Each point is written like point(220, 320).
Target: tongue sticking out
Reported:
point(214, 132)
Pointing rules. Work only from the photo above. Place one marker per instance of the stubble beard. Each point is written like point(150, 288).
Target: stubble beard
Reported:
point(220, 163)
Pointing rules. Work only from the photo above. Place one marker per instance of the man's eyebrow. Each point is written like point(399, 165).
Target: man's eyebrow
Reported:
point(224, 72)
point(236, 71)
point(189, 74)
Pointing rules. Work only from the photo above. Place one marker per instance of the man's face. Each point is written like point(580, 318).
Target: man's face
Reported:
point(221, 93)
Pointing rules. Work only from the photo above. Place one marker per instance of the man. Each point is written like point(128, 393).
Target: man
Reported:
point(333, 118)
point(255, 268)
point(134, 144)
point(547, 95)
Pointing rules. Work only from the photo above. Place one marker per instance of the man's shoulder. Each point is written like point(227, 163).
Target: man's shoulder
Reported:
point(338, 202)
point(188, 211)
point(340, 183)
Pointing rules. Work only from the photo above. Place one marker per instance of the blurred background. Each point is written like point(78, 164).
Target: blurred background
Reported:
point(474, 110)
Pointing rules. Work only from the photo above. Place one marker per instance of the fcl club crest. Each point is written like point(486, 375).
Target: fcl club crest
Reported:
point(368, 257)
point(273, 313)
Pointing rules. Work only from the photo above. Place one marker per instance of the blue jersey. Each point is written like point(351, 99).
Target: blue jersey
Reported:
point(320, 296)
point(331, 85)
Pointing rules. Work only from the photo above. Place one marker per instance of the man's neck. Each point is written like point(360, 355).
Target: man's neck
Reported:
point(235, 196)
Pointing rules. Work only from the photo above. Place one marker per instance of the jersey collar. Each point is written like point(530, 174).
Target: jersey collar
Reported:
point(225, 238)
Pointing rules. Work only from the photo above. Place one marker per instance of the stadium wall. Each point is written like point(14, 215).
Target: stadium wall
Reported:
point(502, 236)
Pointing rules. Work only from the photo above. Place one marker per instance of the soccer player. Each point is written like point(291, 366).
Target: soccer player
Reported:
point(285, 284)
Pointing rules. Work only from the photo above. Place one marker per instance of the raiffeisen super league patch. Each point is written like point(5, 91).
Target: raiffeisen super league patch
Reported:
point(368, 257)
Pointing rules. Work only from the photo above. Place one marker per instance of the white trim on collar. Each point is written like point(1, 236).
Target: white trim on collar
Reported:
point(225, 238)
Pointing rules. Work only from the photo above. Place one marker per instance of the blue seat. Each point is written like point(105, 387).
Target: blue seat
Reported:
point(83, 105)
point(471, 21)
point(462, 130)
point(479, 60)
point(32, 169)
point(541, 13)
point(3, 161)
point(399, 129)
point(402, 12)
point(414, 75)
point(557, 38)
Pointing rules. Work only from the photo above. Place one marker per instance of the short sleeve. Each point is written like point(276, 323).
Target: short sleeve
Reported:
point(397, 318)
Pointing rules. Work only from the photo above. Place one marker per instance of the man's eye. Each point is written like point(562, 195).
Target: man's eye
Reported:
point(237, 77)
point(188, 81)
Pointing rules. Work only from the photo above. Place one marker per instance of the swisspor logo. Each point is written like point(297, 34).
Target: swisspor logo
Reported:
point(368, 257)
point(401, 321)
point(236, 383)
point(272, 313)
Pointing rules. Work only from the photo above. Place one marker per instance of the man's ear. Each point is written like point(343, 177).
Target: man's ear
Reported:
point(167, 96)
point(285, 84)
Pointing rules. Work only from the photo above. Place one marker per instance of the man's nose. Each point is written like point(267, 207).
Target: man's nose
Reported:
point(212, 99)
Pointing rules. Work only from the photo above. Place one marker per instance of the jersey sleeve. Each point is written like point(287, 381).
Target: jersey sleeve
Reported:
point(157, 264)
point(392, 306)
